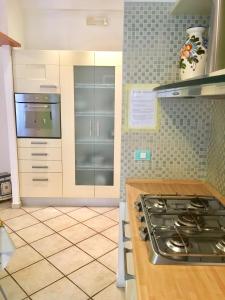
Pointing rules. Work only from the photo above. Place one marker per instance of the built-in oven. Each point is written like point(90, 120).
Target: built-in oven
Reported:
point(38, 115)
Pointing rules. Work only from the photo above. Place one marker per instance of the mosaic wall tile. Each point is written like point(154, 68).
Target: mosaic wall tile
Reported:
point(152, 39)
point(216, 154)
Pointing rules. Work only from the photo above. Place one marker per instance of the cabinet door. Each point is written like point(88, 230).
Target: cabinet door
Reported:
point(88, 127)
point(36, 71)
point(77, 126)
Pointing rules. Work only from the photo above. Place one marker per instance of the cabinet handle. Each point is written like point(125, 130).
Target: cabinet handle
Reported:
point(39, 167)
point(176, 93)
point(38, 143)
point(98, 128)
point(37, 105)
point(39, 154)
point(127, 275)
point(51, 86)
point(39, 179)
point(125, 239)
point(90, 128)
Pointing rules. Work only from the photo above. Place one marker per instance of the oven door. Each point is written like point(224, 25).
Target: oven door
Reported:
point(41, 120)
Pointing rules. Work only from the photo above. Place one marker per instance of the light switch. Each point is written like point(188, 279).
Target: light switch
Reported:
point(142, 155)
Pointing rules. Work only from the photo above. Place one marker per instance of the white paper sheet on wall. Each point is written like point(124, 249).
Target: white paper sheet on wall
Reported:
point(142, 112)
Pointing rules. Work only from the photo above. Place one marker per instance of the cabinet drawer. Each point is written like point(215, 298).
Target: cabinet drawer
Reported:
point(40, 184)
point(39, 143)
point(39, 153)
point(27, 57)
point(38, 166)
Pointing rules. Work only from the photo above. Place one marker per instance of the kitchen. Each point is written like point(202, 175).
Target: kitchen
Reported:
point(188, 145)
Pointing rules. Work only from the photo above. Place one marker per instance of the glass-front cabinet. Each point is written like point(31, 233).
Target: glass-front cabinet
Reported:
point(91, 117)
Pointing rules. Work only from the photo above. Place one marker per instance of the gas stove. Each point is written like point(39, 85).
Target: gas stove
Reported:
point(182, 229)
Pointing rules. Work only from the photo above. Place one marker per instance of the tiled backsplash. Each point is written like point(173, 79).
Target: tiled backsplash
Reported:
point(152, 39)
point(216, 158)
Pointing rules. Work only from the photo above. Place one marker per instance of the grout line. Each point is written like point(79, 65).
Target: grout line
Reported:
point(103, 288)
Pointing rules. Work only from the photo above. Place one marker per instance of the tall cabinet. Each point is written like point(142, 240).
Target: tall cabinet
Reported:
point(91, 123)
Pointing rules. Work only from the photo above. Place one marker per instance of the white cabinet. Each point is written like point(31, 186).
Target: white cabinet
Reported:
point(36, 71)
point(91, 92)
point(40, 167)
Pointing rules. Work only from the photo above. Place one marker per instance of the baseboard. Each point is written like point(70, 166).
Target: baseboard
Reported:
point(69, 201)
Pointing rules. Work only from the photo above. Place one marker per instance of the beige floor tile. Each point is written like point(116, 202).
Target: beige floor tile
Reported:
point(92, 278)
point(17, 241)
point(110, 260)
point(97, 245)
point(100, 223)
point(70, 260)
point(37, 276)
point(35, 232)
point(82, 214)
point(111, 293)
point(112, 233)
point(77, 233)
point(23, 257)
point(5, 204)
point(101, 209)
point(21, 222)
point(61, 222)
point(10, 213)
point(46, 213)
point(60, 290)
point(31, 209)
point(67, 209)
point(3, 273)
point(11, 289)
point(113, 214)
point(50, 244)
point(8, 229)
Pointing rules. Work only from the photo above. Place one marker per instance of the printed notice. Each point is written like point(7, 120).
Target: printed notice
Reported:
point(142, 109)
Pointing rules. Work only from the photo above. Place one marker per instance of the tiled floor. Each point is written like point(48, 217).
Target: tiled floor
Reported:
point(63, 253)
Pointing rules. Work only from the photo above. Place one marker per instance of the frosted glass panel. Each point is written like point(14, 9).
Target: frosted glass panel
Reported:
point(94, 90)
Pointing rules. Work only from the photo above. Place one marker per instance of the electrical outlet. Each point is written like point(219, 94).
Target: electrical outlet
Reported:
point(142, 155)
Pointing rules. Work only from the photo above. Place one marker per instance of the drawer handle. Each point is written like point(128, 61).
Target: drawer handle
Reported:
point(125, 239)
point(39, 179)
point(176, 93)
point(39, 154)
point(39, 167)
point(38, 143)
point(51, 86)
point(127, 275)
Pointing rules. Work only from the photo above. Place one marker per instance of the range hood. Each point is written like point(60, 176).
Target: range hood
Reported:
point(207, 86)
point(212, 85)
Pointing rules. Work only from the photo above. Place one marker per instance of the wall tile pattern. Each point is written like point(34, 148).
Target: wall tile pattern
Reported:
point(216, 154)
point(152, 39)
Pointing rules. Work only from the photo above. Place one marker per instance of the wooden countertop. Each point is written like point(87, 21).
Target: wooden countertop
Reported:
point(171, 282)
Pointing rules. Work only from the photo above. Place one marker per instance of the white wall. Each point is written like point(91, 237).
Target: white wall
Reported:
point(4, 149)
point(67, 29)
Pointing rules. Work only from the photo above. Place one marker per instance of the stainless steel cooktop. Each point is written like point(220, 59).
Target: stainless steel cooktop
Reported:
point(182, 229)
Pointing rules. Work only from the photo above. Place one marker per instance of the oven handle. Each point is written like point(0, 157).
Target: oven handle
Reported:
point(39, 179)
point(38, 105)
point(127, 275)
point(125, 239)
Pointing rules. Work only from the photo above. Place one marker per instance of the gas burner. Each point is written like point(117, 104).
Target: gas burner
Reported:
point(177, 243)
point(159, 203)
point(189, 221)
point(199, 204)
point(221, 245)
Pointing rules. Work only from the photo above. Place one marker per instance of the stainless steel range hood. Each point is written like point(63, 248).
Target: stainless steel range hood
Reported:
point(209, 85)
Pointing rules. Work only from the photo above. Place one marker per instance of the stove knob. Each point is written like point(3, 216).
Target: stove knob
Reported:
point(140, 218)
point(138, 206)
point(144, 233)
